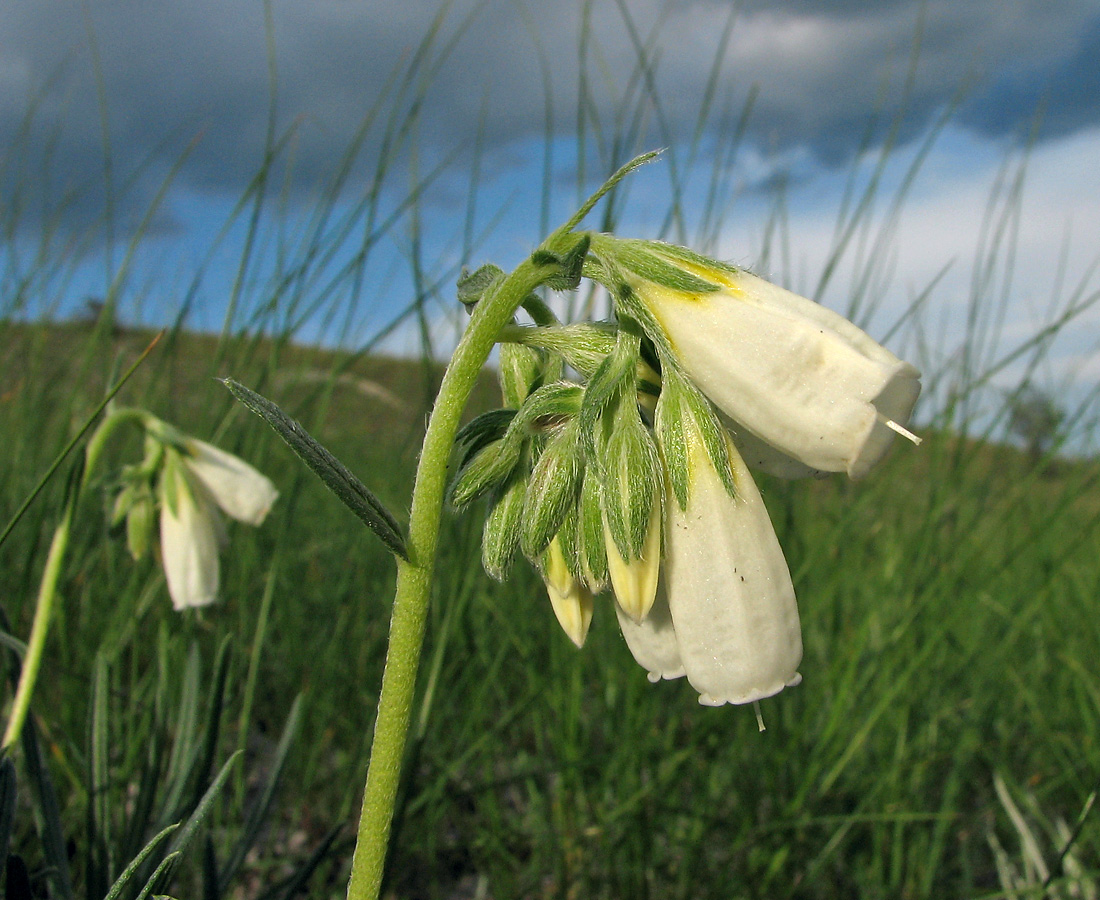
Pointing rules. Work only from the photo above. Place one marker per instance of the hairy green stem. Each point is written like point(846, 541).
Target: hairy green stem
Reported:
point(414, 578)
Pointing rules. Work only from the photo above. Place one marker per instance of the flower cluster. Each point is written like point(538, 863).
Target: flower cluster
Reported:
point(637, 476)
point(186, 482)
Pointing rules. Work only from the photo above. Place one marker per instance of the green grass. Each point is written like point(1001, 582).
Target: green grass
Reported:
point(948, 608)
point(948, 604)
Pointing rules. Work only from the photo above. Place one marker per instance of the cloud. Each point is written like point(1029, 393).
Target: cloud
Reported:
point(174, 72)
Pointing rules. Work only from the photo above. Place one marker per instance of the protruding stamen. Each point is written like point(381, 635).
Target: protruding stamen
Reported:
point(900, 429)
point(759, 716)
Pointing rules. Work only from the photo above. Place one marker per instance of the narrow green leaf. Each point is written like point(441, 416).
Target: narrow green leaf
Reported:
point(166, 865)
point(183, 837)
point(328, 468)
point(136, 863)
point(207, 749)
point(99, 840)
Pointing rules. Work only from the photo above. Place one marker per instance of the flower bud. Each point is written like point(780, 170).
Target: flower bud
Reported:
point(489, 468)
point(570, 599)
point(552, 490)
point(634, 581)
point(140, 520)
point(500, 537)
point(591, 546)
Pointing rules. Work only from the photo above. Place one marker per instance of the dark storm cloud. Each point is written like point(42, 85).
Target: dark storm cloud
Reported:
point(172, 72)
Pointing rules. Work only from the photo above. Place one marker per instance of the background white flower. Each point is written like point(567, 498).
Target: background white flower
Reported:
point(194, 483)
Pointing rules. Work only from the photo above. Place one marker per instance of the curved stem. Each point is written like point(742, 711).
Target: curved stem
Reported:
point(414, 578)
point(47, 590)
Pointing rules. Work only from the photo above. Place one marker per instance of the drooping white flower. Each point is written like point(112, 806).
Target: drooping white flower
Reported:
point(787, 370)
point(195, 481)
point(725, 614)
point(729, 589)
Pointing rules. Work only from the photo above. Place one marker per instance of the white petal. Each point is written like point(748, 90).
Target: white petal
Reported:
point(795, 374)
point(189, 546)
point(242, 492)
point(729, 589)
point(653, 641)
point(762, 456)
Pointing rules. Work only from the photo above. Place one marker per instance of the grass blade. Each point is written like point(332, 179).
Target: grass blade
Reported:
point(124, 879)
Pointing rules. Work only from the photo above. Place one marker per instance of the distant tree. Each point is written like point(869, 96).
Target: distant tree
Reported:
point(1035, 418)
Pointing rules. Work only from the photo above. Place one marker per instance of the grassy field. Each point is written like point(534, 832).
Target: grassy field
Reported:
point(949, 614)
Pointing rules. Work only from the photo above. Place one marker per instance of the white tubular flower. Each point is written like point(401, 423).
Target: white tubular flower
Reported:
point(653, 641)
point(729, 590)
point(795, 374)
point(194, 483)
point(570, 599)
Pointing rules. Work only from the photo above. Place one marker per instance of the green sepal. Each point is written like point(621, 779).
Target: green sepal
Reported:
point(489, 468)
point(140, 521)
point(552, 490)
point(171, 476)
point(500, 536)
point(570, 263)
point(547, 408)
point(641, 258)
point(713, 434)
point(615, 376)
point(569, 540)
point(472, 286)
point(675, 253)
point(591, 549)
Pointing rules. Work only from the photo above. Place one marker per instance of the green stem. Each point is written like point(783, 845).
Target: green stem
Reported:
point(47, 590)
point(47, 594)
point(414, 578)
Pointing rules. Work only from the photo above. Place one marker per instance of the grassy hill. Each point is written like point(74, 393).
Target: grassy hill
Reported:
point(949, 608)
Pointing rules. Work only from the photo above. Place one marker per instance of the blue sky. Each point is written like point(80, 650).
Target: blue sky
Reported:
point(102, 102)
